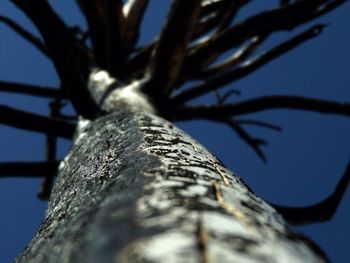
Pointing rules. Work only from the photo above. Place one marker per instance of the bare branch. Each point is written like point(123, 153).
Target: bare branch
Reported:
point(137, 64)
point(209, 7)
point(259, 124)
point(33, 122)
point(45, 92)
point(35, 41)
point(262, 104)
point(222, 98)
point(28, 169)
point(217, 23)
point(94, 13)
point(248, 67)
point(217, 14)
point(171, 47)
point(139, 61)
point(279, 19)
point(284, 2)
point(70, 58)
point(133, 11)
point(231, 12)
point(254, 143)
point(320, 212)
point(116, 53)
point(236, 58)
point(204, 26)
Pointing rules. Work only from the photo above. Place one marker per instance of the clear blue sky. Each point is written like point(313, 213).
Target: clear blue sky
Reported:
point(304, 161)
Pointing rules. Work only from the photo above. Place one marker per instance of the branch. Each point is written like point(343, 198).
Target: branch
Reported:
point(94, 14)
point(254, 143)
point(217, 14)
point(116, 53)
point(322, 211)
point(137, 63)
point(69, 57)
point(204, 26)
point(259, 124)
point(171, 47)
point(220, 99)
point(262, 104)
point(32, 122)
point(46, 92)
point(219, 20)
point(248, 67)
point(236, 58)
point(140, 60)
point(25, 34)
point(279, 19)
point(28, 169)
point(231, 13)
point(212, 7)
point(133, 13)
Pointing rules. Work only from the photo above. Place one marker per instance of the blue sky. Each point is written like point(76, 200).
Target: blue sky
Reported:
point(304, 161)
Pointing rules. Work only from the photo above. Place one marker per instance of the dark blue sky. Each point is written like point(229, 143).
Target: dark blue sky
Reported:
point(304, 161)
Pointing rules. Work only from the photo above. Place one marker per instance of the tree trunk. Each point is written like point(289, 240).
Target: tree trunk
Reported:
point(134, 188)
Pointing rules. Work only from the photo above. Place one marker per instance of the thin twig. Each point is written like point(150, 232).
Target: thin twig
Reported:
point(220, 99)
point(222, 20)
point(279, 19)
point(262, 104)
point(249, 66)
point(209, 7)
point(208, 21)
point(254, 143)
point(137, 63)
point(231, 12)
point(262, 124)
point(35, 41)
point(236, 58)
point(204, 26)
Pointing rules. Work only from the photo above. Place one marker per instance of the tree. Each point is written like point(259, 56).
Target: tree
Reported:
point(233, 124)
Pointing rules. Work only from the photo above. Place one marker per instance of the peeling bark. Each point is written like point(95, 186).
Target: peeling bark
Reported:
point(134, 188)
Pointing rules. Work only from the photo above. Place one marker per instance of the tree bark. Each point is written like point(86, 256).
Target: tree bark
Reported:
point(134, 188)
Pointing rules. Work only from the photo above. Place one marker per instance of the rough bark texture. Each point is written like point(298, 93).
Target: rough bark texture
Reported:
point(134, 188)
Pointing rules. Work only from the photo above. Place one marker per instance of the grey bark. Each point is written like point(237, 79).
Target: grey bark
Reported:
point(134, 188)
